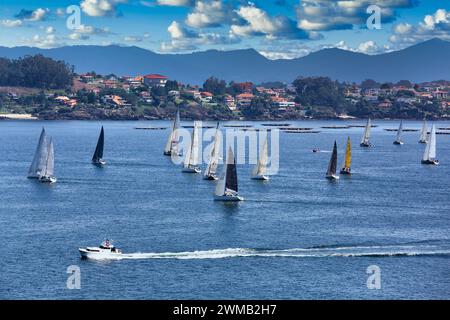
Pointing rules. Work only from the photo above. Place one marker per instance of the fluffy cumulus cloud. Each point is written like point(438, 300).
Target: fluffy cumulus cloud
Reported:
point(210, 13)
point(11, 23)
point(183, 39)
point(99, 8)
point(322, 15)
point(83, 32)
point(33, 15)
point(47, 41)
point(434, 25)
point(258, 22)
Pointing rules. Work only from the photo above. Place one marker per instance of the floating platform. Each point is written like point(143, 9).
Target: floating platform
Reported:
point(361, 126)
point(150, 128)
point(444, 128)
point(202, 127)
point(442, 132)
point(301, 131)
point(404, 130)
point(335, 127)
point(238, 126)
point(296, 129)
point(276, 124)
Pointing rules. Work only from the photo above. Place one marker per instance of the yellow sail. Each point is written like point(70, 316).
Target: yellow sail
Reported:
point(348, 154)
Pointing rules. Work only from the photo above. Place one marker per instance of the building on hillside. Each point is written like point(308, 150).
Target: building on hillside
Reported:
point(244, 99)
point(206, 96)
point(230, 102)
point(440, 94)
point(155, 80)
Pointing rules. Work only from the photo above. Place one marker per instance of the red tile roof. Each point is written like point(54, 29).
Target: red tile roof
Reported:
point(155, 76)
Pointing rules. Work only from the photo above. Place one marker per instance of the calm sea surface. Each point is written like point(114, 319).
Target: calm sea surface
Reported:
point(297, 236)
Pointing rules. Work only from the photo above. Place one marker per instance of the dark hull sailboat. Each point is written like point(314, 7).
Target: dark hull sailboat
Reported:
point(97, 159)
point(332, 166)
point(227, 187)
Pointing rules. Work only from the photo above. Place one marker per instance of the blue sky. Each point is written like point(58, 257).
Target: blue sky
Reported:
point(276, 28)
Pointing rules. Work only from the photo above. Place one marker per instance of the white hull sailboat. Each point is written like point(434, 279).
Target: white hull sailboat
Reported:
point(259, 171)
point(365, 142)
point(398, 140)
point(173, 140)
point(227, 187)
point(332, 166)
point(211, 170)
point(424, 133)
point(47, 174)
point(97, 159)
point(192, 156)
point(346, 169)
point(429, 156)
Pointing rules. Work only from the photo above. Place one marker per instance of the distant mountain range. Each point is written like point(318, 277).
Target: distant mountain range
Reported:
point(426, 61)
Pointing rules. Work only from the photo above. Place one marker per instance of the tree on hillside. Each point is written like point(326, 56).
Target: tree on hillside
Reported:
point(369, 84)
point(215, 86)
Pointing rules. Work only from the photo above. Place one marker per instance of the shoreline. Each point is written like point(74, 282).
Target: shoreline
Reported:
point(17, 116)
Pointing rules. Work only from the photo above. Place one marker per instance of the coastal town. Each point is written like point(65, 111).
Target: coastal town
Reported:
point(156, 96)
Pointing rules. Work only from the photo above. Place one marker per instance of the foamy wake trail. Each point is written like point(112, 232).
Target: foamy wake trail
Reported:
point(357, 251)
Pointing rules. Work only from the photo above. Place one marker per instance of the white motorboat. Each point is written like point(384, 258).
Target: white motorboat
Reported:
point(105, 251)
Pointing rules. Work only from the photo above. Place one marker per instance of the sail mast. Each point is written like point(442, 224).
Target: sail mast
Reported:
point(432, 150)
point(171, 145)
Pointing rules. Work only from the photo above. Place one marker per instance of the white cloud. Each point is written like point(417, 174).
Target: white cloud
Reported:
point(11, 23)
point(320, 15)
point(132, 39)
point(209, 14)
point(368, 47)
point(258, 22)
point(38, 15)
point(50, 30)
point(436, 25)
point(48, 41)
point(99, 8)
point(183, 39)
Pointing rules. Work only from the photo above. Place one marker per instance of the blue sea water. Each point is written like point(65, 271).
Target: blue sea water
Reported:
point(297, 236)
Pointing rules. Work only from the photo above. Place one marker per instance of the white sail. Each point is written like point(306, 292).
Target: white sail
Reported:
point(192, 156)
point(37, 166)
point(366, 136)
point(424, 133)
point(172, 141)
point(50, 161)
point(261, 167)
point(220, 187)
point(400, 131)
point(430, 149)
point(432, 143)
point(215, 154)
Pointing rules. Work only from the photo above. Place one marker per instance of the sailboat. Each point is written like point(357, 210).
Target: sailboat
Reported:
point(172, 142)
point(365, 138)
point(227, 187)
point(424, 133)
point(98, 154)
point(399, 141)
point(429, 156)
point(210, 173)
point(47, 174)
point(348, 158)
point(259, 171)
point(191, 159)
point(38, 163)
point(332, 166)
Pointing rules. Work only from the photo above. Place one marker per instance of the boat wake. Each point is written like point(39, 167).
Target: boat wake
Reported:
point(321, 252)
